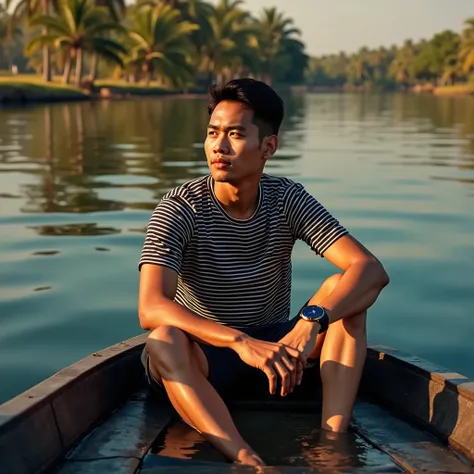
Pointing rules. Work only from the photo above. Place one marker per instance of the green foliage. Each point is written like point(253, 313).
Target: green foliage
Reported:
point(80, 26)
point(188, 43)
point(179, 43)
point(160, 43)
point(447, 58)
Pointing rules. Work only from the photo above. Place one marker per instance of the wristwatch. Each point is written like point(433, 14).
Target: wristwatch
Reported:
point(317, 314)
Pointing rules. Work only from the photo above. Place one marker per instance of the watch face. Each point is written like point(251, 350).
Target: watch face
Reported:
point(313, 312)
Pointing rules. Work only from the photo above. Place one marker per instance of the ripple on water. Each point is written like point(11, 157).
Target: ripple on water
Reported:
point(124, 180)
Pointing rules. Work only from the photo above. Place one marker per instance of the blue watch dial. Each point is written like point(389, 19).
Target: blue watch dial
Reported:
point(313, 312)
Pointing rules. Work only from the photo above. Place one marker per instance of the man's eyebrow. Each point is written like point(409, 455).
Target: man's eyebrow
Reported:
point(240, 128)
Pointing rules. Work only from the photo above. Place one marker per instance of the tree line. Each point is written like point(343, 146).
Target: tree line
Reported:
point(178, 43)
point(446, 59)
point(189, 43)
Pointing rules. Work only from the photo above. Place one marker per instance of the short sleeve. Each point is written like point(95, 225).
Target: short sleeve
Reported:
point(168, 232)
point(310, 221)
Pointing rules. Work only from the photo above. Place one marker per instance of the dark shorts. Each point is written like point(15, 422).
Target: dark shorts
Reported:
point(228, 374)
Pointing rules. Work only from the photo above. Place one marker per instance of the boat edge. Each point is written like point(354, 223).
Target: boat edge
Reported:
point(58, 413)
point(40, 425)
point(435, 398)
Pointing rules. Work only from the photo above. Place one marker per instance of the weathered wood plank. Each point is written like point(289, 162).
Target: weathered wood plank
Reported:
point(129, 432)
point(100, 466)
point(413, 449)
point(435, 397)
point(47, 419)
point(81, 404)
point(29, 444)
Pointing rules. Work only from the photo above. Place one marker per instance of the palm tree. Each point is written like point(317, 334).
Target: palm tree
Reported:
point(79, 28)
point(231, 35)
point(117, 10)
point(278, 44)
point(160, 43)
point(400, 68)
point(27, 9)
point(198, 12)
point(466, 52)
point(5, 35)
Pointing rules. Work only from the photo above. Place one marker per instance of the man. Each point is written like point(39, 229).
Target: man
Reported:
point(216, 274)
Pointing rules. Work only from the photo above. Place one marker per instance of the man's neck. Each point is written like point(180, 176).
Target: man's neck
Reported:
point(239, 201)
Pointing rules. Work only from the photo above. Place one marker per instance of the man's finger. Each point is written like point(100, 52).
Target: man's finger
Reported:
point(272, 378)
point(295, 353)
point(292, 368)
point(285, 378)
point(299, 373)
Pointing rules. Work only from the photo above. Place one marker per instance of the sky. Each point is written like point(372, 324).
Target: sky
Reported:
point(330, 26)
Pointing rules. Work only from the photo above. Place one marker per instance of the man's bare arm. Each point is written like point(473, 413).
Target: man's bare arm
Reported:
point(363, 279)
point(157, 308)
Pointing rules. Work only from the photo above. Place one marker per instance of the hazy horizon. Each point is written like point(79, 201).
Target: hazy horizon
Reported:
point(346, 25)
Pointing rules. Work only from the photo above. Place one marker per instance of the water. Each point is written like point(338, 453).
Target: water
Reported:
point(301, 443)
point(78, 183)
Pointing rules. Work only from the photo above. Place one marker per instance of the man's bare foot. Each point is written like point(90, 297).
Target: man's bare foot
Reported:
point(250, 458)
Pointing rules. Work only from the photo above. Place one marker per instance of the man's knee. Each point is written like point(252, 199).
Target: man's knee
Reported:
point(168, 348)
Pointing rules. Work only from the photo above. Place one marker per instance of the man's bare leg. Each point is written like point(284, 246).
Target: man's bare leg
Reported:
point(343, 350)
point(182, 367)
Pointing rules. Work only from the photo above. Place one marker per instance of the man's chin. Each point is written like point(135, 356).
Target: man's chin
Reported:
point(220, 176)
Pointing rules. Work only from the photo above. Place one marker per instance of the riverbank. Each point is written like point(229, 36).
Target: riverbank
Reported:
point(463, 89)
point(21, 90)
point(25, 89)
point(34, 89)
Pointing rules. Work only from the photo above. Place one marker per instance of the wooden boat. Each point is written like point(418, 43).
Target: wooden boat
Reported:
point(97, 416)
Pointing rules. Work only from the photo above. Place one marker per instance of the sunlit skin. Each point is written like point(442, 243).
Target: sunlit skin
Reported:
point(236, 155)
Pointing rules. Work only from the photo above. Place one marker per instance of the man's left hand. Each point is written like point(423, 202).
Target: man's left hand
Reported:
point(303, 338)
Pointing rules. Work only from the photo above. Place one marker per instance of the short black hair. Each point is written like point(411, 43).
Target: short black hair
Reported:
point(266, 104)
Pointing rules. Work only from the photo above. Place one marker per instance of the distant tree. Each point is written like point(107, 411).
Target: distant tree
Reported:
point(279, 49)
point(27, 9)
point(79, 28)
point(437, 56)
point(466, 53)
point(160, 44)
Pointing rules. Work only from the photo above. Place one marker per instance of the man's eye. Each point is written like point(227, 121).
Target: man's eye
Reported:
point(235, 134)
point(211, 133)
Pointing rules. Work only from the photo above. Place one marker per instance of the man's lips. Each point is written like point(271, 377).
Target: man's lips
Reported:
point(220, 164)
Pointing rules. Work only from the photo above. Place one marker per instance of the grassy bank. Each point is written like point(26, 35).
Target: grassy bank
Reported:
point(463, 89)
point(111, 88)
point(30, 88)
point(33, 89)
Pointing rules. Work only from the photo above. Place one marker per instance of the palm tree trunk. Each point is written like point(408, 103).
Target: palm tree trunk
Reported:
point(2, 56)
point(78, 78)
point(46, 52)
point(94, 64)
point(148, 74)
point(67, 70)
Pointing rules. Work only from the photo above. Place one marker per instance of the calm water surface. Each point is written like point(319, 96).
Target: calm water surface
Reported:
point(78, 183)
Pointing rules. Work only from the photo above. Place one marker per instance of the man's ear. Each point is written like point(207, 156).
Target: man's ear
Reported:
point(270, 146)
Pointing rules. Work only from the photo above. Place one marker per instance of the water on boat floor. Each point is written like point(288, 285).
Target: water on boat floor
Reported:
point(145, 436)
point(281, 439)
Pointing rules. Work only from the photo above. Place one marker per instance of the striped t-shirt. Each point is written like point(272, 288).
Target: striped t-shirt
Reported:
point(236, 272)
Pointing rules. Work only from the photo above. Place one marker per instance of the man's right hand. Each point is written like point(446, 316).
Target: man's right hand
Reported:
point(273, 358)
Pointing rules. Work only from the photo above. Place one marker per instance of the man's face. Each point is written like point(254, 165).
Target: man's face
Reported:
point(233, 148)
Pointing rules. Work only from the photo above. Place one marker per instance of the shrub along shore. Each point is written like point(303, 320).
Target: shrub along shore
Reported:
point(25, 90)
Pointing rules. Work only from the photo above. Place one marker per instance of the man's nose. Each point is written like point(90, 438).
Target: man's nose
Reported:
point(221, 145)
